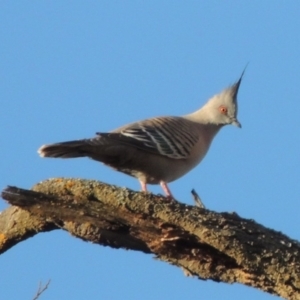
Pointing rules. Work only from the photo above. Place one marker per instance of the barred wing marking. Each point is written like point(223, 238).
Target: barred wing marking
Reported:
point(173, 137)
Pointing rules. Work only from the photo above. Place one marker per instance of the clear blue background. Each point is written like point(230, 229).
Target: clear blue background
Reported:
point(71, 68)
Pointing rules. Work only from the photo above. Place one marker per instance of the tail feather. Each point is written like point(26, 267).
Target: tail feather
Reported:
point(70, 149)
point(100, 148)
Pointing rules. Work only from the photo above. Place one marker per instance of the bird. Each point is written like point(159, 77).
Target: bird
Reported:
point(157, 150)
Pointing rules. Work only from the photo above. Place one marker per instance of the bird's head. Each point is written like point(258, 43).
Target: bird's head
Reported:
point(222, 108)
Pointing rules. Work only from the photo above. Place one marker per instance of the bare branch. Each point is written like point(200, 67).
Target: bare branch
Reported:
point(197, 199)
point(41, 290)
point(209, 245)
point(17, 225)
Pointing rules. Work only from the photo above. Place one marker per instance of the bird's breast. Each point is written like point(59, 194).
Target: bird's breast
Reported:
point(152, 168)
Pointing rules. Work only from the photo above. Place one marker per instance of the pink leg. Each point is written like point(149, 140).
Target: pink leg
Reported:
point(144, 186)
point(166, 189)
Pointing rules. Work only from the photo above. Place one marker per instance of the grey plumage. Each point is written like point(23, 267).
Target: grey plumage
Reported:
point(157, 150)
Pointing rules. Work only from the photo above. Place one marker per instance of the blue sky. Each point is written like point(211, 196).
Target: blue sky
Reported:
point(69, 69)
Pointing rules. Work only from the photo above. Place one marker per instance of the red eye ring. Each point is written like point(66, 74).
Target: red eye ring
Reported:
point(223, 110)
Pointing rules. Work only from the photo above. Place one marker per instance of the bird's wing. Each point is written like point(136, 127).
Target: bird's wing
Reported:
point(173, 137)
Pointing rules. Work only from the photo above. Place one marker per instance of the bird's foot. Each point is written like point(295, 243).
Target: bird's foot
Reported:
point(143, 186)
point(166, 189)
point(168, 195)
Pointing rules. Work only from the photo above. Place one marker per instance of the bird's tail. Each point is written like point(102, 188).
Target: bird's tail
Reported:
point(66, 149)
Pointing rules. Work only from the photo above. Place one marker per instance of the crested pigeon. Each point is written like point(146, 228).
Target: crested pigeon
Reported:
point(157, 150)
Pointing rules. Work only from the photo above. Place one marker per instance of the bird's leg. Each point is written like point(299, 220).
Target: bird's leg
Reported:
point(166, 189)
point(143, 186)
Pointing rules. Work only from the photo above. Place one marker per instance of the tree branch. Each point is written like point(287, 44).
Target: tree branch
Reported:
point(41, 290)
point(209, 245)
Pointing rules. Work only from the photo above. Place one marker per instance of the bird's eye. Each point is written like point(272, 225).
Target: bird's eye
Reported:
point(223, 110)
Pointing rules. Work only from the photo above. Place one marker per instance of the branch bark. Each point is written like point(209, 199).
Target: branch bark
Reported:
point(217, 246)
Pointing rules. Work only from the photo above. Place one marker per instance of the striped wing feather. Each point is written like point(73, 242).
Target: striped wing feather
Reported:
point(173, 137)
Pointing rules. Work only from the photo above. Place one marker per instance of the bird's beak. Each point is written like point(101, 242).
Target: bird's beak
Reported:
point(236, 123)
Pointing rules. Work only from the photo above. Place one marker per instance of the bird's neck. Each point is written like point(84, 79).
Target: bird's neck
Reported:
point(209, 129)
point(203, 116)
